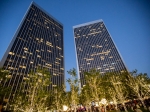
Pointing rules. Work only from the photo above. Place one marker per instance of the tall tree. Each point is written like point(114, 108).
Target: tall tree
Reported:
point(59, 97)
point(74, 88)
point(120, 89)
point(34, 93)
point(139, 83)
point(93, 80)
point(4, 90)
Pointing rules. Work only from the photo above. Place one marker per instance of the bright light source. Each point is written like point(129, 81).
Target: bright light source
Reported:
point(65, 108)
point(111, 102)
point(103, 101)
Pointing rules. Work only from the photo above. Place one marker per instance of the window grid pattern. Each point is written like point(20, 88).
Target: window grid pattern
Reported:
point(95, 49)
point(39, 42)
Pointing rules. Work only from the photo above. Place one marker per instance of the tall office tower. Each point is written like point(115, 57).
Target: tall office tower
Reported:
point(37, 42)
point(95, 49)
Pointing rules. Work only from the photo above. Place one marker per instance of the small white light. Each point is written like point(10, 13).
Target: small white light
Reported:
point(65, 108)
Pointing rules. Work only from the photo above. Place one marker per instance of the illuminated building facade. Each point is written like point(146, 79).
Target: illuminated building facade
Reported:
point(95, 49)
point(37, 42)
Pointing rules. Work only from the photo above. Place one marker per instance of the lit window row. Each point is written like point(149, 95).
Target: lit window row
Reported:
point(58, 47)
point(89, 59)
point(49, 43)
point(47, 64)
point(96, 46)
point(38, 56)
point(62, 68)
point(11, 53)
point(106, 53)
point(94, 33)
point(37, 51)
point(58, 58)
point(25, 48)
point(12, 68)
point(57, 62)
point(48, 51)
point(22, 66)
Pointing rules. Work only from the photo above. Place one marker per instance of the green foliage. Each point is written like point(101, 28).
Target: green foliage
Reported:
point(33, 94)
point(74, 88)
point(93, 80)
point(4, 76)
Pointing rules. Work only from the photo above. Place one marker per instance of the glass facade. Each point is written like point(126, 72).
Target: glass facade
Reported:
point(37, 42)
point(96, 49)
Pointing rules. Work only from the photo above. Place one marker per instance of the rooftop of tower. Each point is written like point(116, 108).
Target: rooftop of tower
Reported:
point(44, 11)
point(88, 23)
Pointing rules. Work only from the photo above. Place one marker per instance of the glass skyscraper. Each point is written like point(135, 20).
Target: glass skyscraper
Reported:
point(95, 49)
point(37, 42)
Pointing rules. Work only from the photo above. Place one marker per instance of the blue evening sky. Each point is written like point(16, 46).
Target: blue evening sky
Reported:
point(128, 22)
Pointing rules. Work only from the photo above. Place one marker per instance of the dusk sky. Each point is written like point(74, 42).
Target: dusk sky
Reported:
point(128, 22)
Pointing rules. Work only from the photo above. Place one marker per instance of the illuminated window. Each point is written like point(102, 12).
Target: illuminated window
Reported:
point(10, 68)
point(31, 62)
point(57, 62)
point(47, 64)
point(49, 44)
point(54, 74)
point(89, 59)
point(37, 38)
point(26, 51)
point(37, 51)
point(62, 68)
point(98, 46)
point(54, 85)
point(102, 57)
point(25, 48)
point(22, 66)
point(38, 56)
point(111, 57)
point(11, 53)
point(48, 51)
point(58, 47)
point(58, 58)
point(23, 57)
point(41, 40)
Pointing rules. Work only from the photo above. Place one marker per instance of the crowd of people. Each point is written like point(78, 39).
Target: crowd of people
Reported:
point(134, 105)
